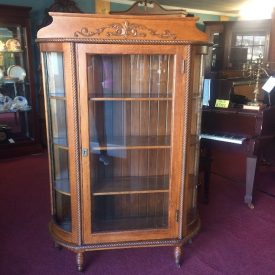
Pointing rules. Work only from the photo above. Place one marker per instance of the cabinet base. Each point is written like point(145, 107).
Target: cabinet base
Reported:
point(81, 249)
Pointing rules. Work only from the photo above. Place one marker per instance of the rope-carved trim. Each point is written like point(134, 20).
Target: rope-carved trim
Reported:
point(120, 245)
point(125, 29)
point(121, 41)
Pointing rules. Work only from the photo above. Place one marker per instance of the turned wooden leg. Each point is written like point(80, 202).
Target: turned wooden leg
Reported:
point(178, 255)
point(57, 246)
point(80, 261)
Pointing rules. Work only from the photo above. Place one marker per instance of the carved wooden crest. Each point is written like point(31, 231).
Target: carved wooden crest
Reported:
point(125, 29)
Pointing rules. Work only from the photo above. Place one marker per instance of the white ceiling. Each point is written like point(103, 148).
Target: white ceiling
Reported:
point(221, 7)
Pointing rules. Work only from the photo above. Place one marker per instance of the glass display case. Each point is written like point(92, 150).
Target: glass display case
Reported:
point(123, 121)
point(17, 101)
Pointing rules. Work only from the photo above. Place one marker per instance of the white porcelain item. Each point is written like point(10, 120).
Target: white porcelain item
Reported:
point(20, 103)
point(1, 74)
point(16, 71)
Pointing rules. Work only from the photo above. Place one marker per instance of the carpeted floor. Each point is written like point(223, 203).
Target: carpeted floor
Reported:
point(233, 240)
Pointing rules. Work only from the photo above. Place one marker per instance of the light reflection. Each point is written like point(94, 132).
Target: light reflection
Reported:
point(256, 9)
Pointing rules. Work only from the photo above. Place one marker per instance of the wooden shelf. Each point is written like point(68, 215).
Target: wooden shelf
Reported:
point(130, 97)
point(62, 142)
point(131, 223)
point(59, 96)
point(65, 225)
point(132, 142)
point(62, 186)
point(6, 51)
point(131, 185)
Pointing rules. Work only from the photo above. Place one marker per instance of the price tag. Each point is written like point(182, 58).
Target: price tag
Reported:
point(269, 85)
point(222, 103)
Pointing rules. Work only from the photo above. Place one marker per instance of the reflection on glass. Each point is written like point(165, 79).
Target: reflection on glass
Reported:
point(130, 101)
point(130, 212)
point(238, 40)
point(257, 51)
point(58, 120)
point(54, 73)
point(247, 40)
point(63, 211)
point(61, 173)
point(259, 40)
point(133, 75)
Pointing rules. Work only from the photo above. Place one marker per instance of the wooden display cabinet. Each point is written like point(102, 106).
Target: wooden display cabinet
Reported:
point(123, 99)
point(18, 122)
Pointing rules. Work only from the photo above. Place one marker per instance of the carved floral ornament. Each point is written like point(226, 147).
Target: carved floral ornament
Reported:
point(125, 29)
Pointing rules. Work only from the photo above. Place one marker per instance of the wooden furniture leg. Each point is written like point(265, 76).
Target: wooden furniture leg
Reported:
point(80, 261)
point(251, 163)
point(178, 255)
point(57, 246)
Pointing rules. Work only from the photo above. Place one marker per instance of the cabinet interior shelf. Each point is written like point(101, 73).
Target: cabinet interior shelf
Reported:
point(61, 142)
point(58, 96)
point(130, 223)
point(5, 51)
point(131, 142)
point(62, 186)
point(15, 111)
point(10, 80)
point(131, 185)
point(130, 97)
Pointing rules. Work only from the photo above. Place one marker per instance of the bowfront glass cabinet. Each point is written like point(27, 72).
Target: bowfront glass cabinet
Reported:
point(123, 105)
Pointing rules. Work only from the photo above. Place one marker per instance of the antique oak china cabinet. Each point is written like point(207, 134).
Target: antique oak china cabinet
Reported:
point(122, 96)
point(18, 123)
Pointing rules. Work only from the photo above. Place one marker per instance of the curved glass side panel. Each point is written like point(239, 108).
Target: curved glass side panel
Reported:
point(58, 121)
point(58, 138)
point(55, 73)
point(193, 148)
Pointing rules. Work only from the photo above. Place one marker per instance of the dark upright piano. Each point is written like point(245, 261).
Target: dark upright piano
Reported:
point(246, 130)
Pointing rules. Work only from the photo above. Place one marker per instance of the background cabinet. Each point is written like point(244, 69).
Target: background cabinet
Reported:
point(123, 98)
point(18, 131)
point(236, 43)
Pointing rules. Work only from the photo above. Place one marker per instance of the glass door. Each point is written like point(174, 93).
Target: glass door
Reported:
point(130, 145)
point(130, 107)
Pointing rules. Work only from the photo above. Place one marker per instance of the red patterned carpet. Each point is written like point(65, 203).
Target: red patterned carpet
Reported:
point(233, 240)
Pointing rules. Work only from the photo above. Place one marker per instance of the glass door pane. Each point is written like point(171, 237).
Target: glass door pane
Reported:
point(130, 103)
point(54, 75)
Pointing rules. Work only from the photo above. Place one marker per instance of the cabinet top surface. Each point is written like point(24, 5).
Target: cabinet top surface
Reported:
point(128, 28)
